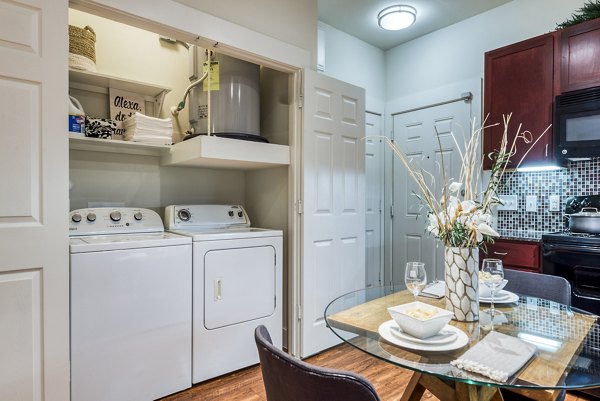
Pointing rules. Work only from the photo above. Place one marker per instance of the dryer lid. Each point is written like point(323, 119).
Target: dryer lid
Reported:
point(96, 243)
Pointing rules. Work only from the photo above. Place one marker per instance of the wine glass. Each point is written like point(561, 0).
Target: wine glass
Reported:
point(492, 274)
point(415, 277)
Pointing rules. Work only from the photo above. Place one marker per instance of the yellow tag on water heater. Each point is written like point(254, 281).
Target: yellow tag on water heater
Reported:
point(213, 76)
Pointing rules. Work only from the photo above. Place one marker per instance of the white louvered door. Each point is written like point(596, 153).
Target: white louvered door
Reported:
point(34, 262)
point(334, 202)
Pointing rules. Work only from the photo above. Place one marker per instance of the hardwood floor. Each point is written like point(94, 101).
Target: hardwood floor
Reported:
point(246, 384)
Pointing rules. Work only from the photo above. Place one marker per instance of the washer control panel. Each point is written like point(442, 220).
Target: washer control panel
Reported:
point(109, 220)
point(205, 216)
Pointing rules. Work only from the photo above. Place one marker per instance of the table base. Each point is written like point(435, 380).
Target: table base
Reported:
point(458, 391)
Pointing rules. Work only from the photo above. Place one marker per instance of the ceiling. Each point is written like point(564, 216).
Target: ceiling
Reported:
point(359, 17)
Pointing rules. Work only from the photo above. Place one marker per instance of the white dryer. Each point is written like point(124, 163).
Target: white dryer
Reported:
point(237, 276)
point(131, 306)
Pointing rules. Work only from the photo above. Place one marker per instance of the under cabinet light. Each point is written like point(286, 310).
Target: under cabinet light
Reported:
point(538, 168)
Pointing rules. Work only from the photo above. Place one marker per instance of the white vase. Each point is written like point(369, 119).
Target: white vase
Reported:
point(462, 283)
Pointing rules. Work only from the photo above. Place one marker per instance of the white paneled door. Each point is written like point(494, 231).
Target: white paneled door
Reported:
point(333, 194)
point(374, 200)
point(34, 263)
point(424, 136)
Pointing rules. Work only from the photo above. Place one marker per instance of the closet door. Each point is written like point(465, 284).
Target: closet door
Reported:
point(34, 263)
point(333, 222)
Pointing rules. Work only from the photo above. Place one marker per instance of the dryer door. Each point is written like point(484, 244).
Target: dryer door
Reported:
point(239, 285)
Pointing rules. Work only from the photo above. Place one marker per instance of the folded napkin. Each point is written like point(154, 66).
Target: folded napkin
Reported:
point(435, 290)
point(497, 356)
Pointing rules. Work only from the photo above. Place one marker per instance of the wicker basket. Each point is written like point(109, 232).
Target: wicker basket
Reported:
point(82, 42)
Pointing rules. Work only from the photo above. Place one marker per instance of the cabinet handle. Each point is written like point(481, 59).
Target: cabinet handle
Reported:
point(500, 253)
point(546, 150)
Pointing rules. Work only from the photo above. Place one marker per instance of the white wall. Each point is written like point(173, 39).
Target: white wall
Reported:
point(138, 181)
point(291, 21)
point(354, 61)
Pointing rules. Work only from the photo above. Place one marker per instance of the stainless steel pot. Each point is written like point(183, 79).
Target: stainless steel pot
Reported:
point(586, 221)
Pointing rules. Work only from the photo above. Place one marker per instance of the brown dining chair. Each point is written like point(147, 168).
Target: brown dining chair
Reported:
point(553, 288)
point(289, 379)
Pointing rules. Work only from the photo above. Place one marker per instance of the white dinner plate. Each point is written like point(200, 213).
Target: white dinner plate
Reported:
point(501, 296)
point(505, 297)
point(385, 331)
point(443, 337)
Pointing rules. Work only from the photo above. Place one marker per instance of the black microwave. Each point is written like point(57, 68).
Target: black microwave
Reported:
point(577, 124)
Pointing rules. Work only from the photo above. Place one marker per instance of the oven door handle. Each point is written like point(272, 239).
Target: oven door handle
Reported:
point(578, 248)
point(577, 294)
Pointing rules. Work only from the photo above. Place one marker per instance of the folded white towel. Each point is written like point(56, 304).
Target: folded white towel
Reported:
point(141, 128)
point(435, 290)
point(497, 356)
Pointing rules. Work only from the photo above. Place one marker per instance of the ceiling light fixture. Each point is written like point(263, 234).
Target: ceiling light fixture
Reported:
point(397, 17)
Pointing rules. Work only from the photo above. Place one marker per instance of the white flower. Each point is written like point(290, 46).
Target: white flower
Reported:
point(468, 206)
point(484, 229)
point(433, 225)
point(454, 186)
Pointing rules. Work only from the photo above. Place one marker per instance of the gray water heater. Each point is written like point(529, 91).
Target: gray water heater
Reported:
point(234, 106)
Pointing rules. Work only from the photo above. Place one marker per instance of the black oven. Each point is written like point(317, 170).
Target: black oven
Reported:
point(576, 257)
point(579, 263)
point(577, 124)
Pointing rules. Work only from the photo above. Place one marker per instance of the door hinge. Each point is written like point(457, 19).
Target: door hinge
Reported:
point(299, 206)
point(300, 101)
point(299, 309)
point(391, 211)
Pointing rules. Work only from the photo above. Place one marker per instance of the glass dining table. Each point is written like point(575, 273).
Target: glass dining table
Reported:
point(567, 345)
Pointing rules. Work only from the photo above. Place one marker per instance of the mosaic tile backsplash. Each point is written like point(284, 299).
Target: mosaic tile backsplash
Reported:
point(579, 178)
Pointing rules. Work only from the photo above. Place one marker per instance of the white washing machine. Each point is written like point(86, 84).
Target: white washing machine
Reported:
point(131, 306)
point(237, 285)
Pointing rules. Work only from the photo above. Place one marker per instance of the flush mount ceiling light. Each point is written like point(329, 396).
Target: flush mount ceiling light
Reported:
point(397, 17)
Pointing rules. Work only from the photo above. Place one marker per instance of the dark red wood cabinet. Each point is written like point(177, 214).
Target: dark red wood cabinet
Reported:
point(521, 79)
point(515, 254)
point(580, 56)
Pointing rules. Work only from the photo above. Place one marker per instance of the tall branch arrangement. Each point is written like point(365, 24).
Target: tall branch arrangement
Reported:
point(462, 216)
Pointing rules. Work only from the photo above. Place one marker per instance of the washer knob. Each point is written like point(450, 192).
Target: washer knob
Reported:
point(240, 214)
point(184, 215)
point(230, 213)
point(115, 215)
point(76, 217)
point(138, 216)
point(91, 216)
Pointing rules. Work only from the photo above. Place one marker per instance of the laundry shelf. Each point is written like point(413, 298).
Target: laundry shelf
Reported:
point(215, 152)
point(202, 151)
point(101, 83)
point(80, 142)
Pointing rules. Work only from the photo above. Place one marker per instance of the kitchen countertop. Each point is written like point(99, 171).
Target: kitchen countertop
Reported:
point(522, 235)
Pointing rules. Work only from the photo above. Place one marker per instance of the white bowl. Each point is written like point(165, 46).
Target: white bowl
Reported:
point(485, 292)
point(419, 319)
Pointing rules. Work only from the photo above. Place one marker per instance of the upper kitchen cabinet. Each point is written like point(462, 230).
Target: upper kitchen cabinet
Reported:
point(580, 56)
point(520, 79)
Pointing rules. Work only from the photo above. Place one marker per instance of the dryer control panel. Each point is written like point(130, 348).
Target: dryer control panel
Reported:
point(205, 216)
point(110, 220)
